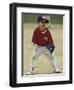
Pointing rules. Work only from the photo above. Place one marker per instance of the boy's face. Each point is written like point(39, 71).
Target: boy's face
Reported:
point(43, 25)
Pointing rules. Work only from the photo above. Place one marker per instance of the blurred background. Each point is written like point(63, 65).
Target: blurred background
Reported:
point(32, 18)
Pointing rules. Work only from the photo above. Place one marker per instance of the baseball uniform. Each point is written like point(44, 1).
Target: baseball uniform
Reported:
point(42, 38)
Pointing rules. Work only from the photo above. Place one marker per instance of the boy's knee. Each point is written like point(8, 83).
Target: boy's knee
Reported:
point(34, 57)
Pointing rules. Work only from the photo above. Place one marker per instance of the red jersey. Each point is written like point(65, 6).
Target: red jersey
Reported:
point(42, 37)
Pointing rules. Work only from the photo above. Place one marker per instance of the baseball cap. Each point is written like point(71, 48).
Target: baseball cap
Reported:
point(43, 19)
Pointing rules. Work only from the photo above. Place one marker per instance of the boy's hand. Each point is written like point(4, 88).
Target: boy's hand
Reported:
point(35, 46)
point(51, 48)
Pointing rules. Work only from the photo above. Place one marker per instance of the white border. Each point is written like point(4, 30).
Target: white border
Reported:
point(62, 77)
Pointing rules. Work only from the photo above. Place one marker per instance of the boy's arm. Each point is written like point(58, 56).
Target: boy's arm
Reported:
point(51, 46)
point(50, 38)
point(34, 37)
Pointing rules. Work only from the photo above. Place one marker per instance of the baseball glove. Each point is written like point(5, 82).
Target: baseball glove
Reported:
point(50, 47)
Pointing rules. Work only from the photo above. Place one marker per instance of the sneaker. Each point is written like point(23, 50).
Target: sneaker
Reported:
point(57, 71)
point(29, 73)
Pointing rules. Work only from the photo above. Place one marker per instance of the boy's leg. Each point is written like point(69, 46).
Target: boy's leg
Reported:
point(54, 63)
point(37, 52)
point(53, 60)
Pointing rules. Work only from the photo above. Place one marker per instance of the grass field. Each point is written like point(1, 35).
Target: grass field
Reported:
point(43, 65)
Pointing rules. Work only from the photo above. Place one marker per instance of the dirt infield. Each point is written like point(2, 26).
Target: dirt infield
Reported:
point(43, 65)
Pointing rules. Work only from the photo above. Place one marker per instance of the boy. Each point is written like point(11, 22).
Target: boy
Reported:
point(43, 43)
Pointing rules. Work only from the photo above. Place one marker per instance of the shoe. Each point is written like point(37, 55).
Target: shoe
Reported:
point(29, 73)
point(57, 71)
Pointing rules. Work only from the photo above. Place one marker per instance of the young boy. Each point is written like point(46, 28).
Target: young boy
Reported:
point(43, 43)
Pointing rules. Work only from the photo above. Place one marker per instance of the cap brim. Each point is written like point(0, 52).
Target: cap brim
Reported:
point(47, 21)
point(44, 21)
